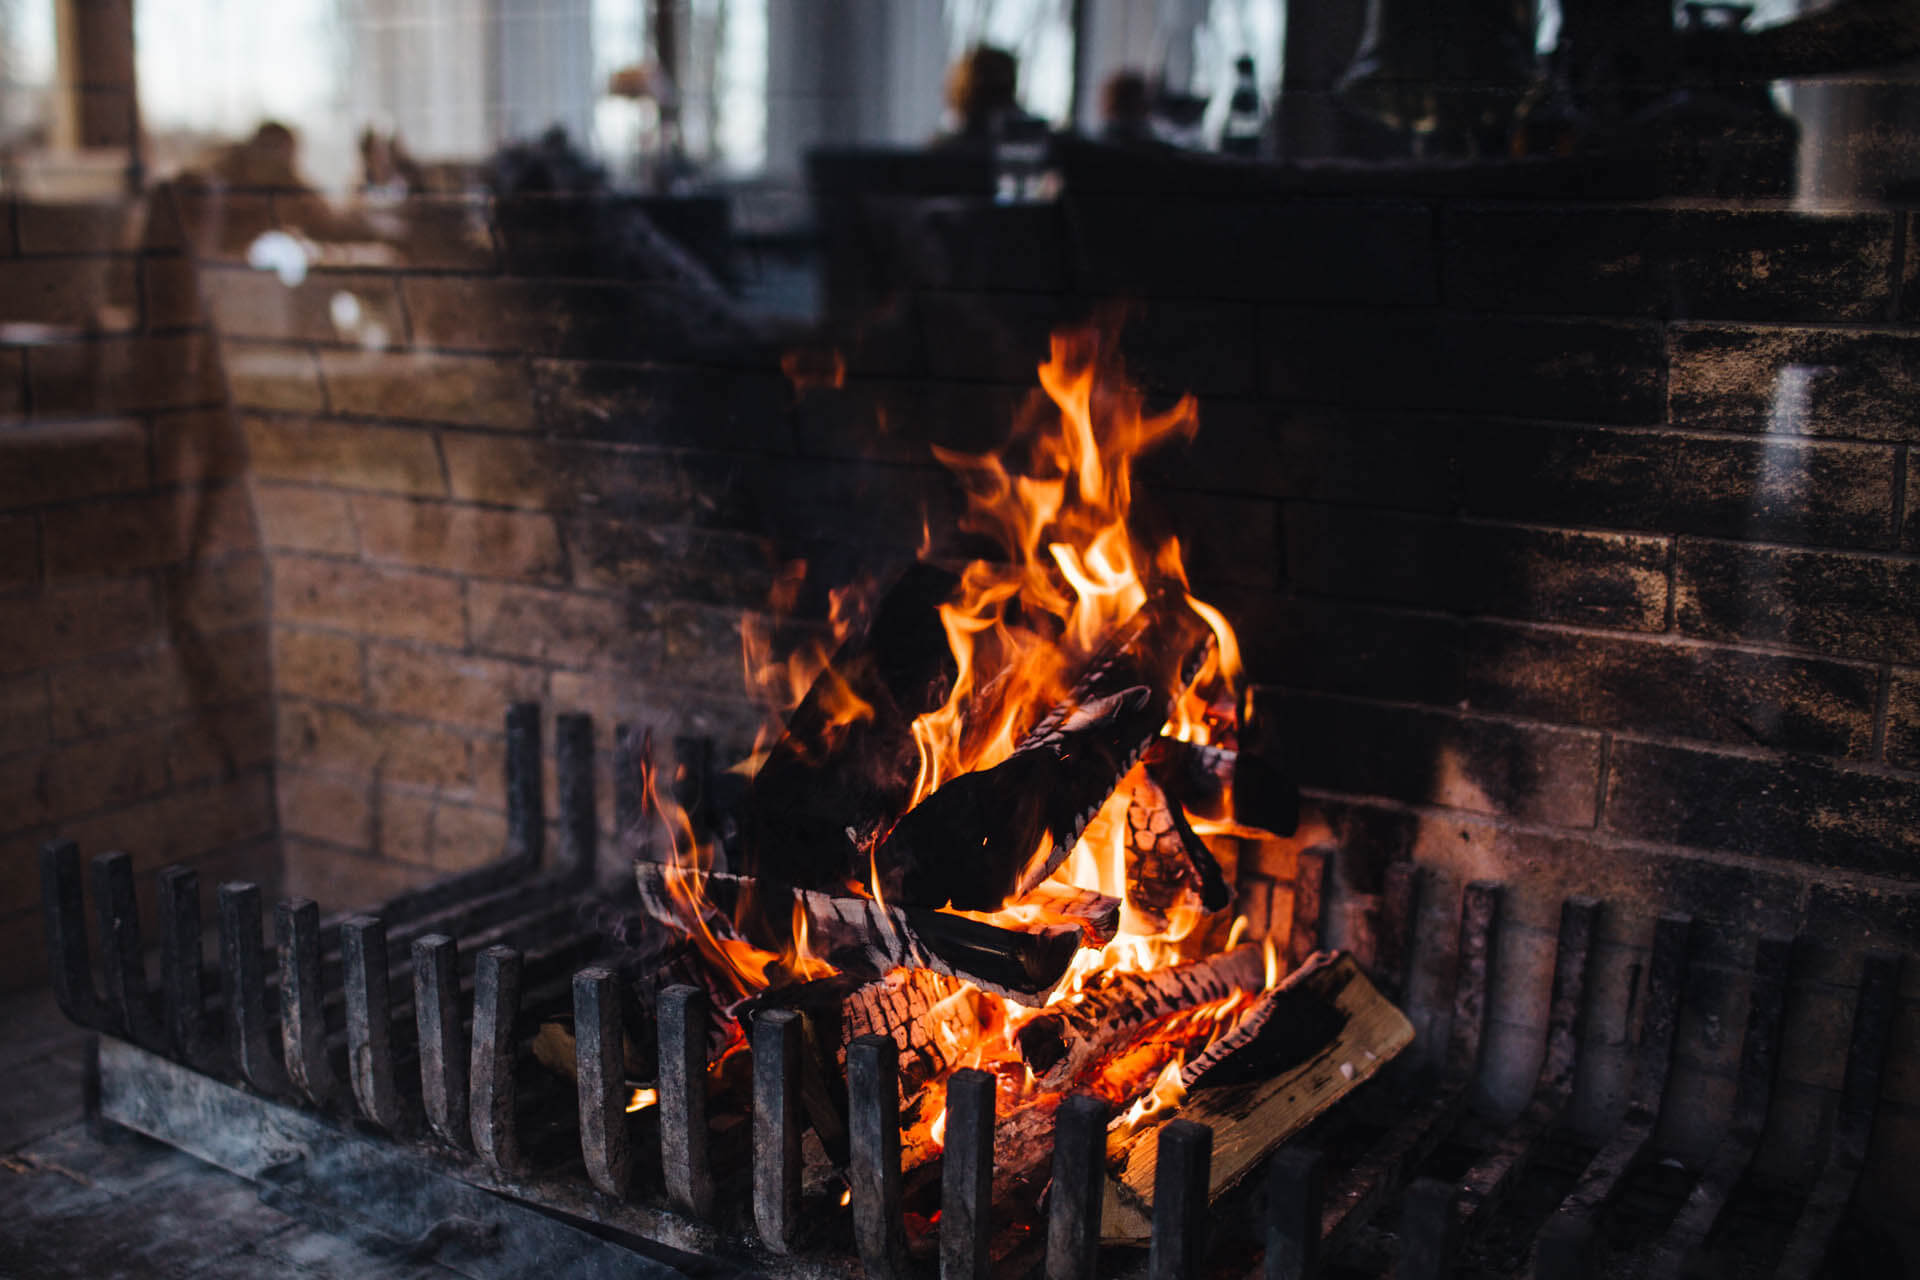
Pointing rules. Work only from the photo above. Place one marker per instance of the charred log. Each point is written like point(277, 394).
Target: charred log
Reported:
point(1282, 1029)
point(1097, 914)
point(847, 758)
point(1167, 863)
point(863, 936)
point(996, 833)
point(1061, 1042)
point(1247, 786)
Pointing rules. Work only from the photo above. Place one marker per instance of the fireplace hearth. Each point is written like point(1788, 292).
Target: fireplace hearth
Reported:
point(382, 1081)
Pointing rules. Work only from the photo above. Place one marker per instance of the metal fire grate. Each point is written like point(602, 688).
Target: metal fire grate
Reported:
point(445, 1140)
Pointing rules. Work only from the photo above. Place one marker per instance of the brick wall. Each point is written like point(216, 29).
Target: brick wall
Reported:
point(134, 710)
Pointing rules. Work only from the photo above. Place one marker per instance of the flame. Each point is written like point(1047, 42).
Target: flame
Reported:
point(1167, 1093)
point(643, 1098)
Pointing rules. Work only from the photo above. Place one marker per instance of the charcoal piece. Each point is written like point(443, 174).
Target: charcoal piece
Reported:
point(824, 777)
point(994, 834)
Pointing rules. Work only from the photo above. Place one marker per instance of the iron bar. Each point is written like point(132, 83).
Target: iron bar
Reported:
point(684, 1142)
point(1079, 1187)
point(363, 942)
point(443, 1039)
point(303, 1023)
point(873, 1098)
point(1180, 1184)
point(966, 1177)
point(599, 1054)
point(492, 1096)
point(776, 1127)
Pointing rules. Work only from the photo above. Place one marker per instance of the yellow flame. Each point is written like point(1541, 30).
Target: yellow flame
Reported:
point(643, 1098)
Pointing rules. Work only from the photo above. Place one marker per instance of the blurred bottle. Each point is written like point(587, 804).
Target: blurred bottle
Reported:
point(1023, 169)
point(1240, 135)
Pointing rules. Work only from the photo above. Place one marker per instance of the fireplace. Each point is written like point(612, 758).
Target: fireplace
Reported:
point(1566, 527)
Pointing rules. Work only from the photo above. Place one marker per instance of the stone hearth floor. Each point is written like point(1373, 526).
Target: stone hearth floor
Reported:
point(72, 1204)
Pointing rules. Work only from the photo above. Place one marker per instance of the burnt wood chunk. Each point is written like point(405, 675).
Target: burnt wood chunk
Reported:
point(1488, 1182)
point(1604, 1175)
point(848, 758)
point(443, 1039)
point(1078, 1190)
point(1832, 1194)
point(873, 1175)
point(599, 1050)
point(1309, 906)
point(776, 1127)
point(526, 791)
point(63, 916)
point(123, 966)
point(303, 1023)
point(683, 1099)
point(1168, 865)
point(363, 962)
point(1295, 1181)
point(573, 775)
point(1245, 786)
point(1180, 1201)
point(1759, 1056)
point(994, 834)
point(244, 983)
point(180, 982)
point(492, 1096)
point(1069, 1036)
point(966, 1177)
point(1096, 914)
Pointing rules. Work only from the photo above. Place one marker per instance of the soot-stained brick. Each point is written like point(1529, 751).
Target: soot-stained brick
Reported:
point(1858, 606)
point(1401, 462)
point(1531, 772)
point(1828, 382)
point(1795, 810)
point(667, 408)
point(1336, 647)
point(1686, 690)
point(1903, 718)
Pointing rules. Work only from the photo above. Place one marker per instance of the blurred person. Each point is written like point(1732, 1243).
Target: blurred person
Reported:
point(982, 94)
point(1126, 109)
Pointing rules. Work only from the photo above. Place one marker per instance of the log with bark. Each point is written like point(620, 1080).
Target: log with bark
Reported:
point(994, 834)
point(1067, 1038)
point(864, 936)
point(828, 773)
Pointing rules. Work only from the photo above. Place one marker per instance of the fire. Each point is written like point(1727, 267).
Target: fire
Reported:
point(642, 1099)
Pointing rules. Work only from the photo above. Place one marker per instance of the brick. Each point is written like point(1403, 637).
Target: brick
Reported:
point(670, 562)
point(349, 455)
point(501, 470)
point(58, 462)
point(137, 533)
point(105, 773)
point(895, 421)
point(1793, 810)
point(601, 236)
point(8, 245)
point(1850, 917)
point(597, 319)
point(460, 539)
point(275, 378)
point(1427, 757)
point(367, 599)
point(1910, 532)
point(197, 446)
point(1661, 481)
point(1337, 647)
point(464, 838)
point(73, 227)
point(214, 595)
point(328, 306)
point(90, 295)
point(346, 881)
point(1903, 718)
point(1262, 248)
point(23, 792)
point(1910, 270)
point(24, 705)
point(170, 292)
point(1844, 605)
point(317, 664)
point(126, 375)
point(1225, 540)
point(113, 692)
point(184, 824)
point(346, 740)
point(1603, 579)
point(1684, 690)
point(220, 224)
point(69, 622)
point(1402, 462)
point(1581, 370)
point(1721, 264)
point(1827, 382)
point(13, 384)
point(636, 484)
point(663, 407)
point(700, 645)
point(448, 687)
point(216, 743)
point(1000, 337)
point(296, 518)
point(1173, 347)
point(19, 551)
point(480, 391)
point(446, 233)
point(556, 626)
point(326, 808)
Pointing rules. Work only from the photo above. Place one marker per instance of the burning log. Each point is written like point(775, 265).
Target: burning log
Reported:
point(847, 760)
point(1166, 860)
point(864, 935)
point(1074, 1034)
point(996, 833)
point(1244, 786)
point(1096, 913)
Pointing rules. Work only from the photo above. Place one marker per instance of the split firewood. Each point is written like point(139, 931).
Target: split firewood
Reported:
point(1096, 914)
point(1278, 1031)
point(1167, 863)
point(995, 834)
point(863, 935)
point(847, 760)
point(1247, 786)
point(1068, 1037)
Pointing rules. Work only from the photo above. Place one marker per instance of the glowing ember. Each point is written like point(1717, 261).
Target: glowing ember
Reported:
point(642, 1099)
